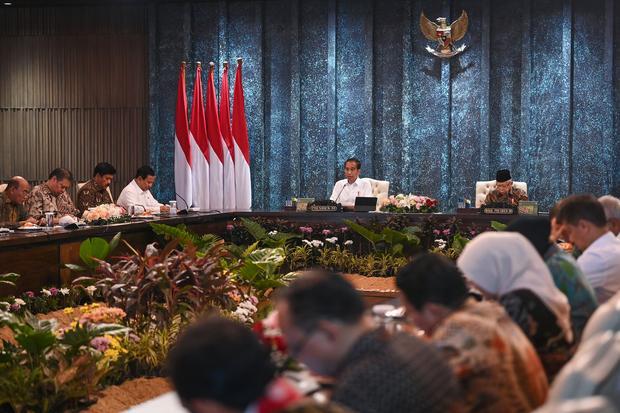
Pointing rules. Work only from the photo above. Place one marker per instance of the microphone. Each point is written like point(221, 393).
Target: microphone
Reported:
point(185, 210)
point(339, 193)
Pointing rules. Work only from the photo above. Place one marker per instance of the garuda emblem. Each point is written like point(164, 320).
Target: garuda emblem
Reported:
point(445, 35)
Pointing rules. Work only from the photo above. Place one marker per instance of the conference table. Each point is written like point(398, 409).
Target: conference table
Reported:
point(40, 257)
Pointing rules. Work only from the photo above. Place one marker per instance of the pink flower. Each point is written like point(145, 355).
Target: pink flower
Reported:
point(100, 343)
point(446, 231)
point(14, 307)
point(326, 232)
point(436, 232)
point(54, 291)
point(230, 227)
point(344, 229)
point(29, 294)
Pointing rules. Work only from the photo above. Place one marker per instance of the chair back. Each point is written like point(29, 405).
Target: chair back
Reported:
point(380, 189)
point(484, 187)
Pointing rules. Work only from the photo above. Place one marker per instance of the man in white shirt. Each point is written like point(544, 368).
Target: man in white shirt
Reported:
point(346, 190)
point(583, 220)
point(138, 193)
point(611, 204)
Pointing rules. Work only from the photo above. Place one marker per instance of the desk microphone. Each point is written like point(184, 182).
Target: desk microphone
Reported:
point(185, 210)
point(339, 193)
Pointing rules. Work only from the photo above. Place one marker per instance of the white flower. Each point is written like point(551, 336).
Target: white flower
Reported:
point(305, 241)
point(46, 292)
point(316, 243)
point(441, 243)
point(64, 291)
point(272, 233)
point(348, 242)
point(19, 301)
point(91, 289)
point(332, 240)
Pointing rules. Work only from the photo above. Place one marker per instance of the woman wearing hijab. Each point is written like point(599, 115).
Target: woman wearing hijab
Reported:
point(506, 267)
point(566, 274)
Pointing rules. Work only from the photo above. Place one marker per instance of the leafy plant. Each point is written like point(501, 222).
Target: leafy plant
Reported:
point(156, 286)
point(260, 269)
point(398, 243)
point(7, 279)
point(266, 239)
point(45, 369)
point(94, 250)
point(498, 226)
point(185, 237)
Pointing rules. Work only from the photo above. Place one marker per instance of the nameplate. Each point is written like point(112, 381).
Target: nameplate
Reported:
point(498, 211)
point(324, 208)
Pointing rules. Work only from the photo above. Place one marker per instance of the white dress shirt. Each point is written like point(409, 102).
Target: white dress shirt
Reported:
point(345, 193)
point(132, 194)
point(600, 263)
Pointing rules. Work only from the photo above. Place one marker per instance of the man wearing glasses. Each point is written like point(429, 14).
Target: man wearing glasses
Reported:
point(326, 327)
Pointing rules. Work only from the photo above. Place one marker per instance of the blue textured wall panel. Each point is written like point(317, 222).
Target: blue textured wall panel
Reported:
point(537, 91)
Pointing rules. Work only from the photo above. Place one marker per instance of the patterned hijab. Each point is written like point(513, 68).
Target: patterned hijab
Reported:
point(501, 262)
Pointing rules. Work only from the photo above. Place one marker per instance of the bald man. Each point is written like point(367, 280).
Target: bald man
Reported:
point(12, 210)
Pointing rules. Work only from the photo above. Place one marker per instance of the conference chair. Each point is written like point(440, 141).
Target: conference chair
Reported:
point(380, 189)
point(484, 187)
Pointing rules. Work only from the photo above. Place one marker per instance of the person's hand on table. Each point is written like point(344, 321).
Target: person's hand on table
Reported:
point(164, 209)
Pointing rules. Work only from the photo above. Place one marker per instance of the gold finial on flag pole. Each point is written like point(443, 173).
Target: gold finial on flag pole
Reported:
point(211, 66)
point(225, 64)
point(183, 63)
point(239, 61)
point(199, 64)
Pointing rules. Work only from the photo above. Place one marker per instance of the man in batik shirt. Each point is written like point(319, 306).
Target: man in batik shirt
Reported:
point(12, 211)
point(505, 192)
point(95, 191)
point(52, 196)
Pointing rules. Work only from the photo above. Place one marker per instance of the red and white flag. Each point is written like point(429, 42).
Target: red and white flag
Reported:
point(229, 146)
point(182, 149)
point(243, 180)
point(216, 153)
point(200, 146)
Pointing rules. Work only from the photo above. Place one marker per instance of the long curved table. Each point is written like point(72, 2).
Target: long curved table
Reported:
point(40, 257)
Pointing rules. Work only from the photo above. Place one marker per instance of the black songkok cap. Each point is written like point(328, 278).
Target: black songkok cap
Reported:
point(503, 175)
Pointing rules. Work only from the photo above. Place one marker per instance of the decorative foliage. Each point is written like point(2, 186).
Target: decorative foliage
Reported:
point(105, 214)
point(185, 237)
point(271, 239)
point(402, 203)
point(398, 243)
point(46, 369)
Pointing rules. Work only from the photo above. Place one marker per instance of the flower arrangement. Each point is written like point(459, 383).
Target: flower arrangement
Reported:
point(402, 203)
point(105, 214)
point(269, 333)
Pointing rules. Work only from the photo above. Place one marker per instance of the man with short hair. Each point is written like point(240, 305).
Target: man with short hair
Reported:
point(219, 365)
point(326, 327)
point(583, 220)
point(505, 192)
point(12, 210)
point(52, 196)
point(95, 192)
point(138, 192)
point(346, 190)
point(611, 205)
point(494, 361)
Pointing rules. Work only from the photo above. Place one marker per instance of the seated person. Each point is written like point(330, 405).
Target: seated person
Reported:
point(138, 193)
point(583, 220)
point(505, 267)
point(219, 365)
point(52, 196)
point(611, 205)
point(505, 192)
point(565, 271)
point(94, 192)
point(346, 190)
point(12, 209)
point(505, 376)
point(325, 326)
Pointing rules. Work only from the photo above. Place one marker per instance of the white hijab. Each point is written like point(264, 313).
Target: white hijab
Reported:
point(501, 262)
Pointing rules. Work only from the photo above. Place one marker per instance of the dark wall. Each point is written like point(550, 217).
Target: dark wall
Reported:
point(537, 91)
point(73, 90)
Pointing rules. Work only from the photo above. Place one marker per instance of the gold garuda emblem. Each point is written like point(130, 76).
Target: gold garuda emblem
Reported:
point(445, 35)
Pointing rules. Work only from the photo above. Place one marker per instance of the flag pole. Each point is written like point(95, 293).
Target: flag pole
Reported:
point(225, 64)
point(211, 66)
point(239, 61)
